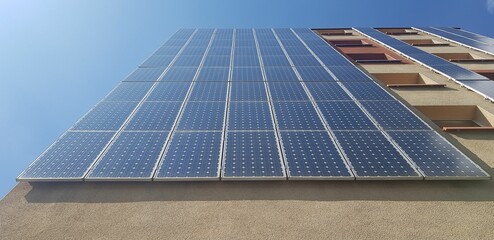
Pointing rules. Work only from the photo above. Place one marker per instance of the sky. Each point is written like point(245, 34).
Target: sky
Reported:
point(59, 58)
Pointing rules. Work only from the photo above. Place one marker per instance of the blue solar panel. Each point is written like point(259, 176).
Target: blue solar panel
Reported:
point(367, 91)
point(297, 116)
point(428, 59)
point(144, 75)
point(192, 155)
point(304, 60)
point(247, 74)
point(323, 50)
point(158, 61)
point(133, 155)
point(457, 72)
point(209, 91)
point(249, 116)
point(154, 116)
point(485, 88)
point(246, 61)
point(270, 50)
point(327, 91)
point(129, 91)
point(70, 157)
point(314, 74)
point(268, 42)
point(334, 60)
point(221, 43)
point(244, 51)
point(106, 116)
point(169, 91)
point(392, 115)
point(180, 74)
point(435, 156)
point(248, 91)
point(302, 50)
point(213, 74)
point(345, 115)
point(217, 61)
point(193, 51)
point(202, 116)
point(187, 61)
point(372, 155)
point(287, 91)
point(280, 74)
point(349, 74)
point(313, 155)
point(220, 51)
point(252, 155)
point(168, 50)
point(275, 61)
point(245, 43)
point(473, 36)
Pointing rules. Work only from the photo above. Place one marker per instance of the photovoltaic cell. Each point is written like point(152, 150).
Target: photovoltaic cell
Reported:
point(297, 116)
point(297, 50)
point(133, 155)
point(372, 155)
point(248, 91)
point(209, 91)
point(246, 61)
point(249, 116)
point(213, 74)
point(247, 74)
point(327, 91)
point(145, 75)
point(367, 91)
point(349, 74)
point(220, 51)
point(70, 157)
point(188, 61)
point(154, 116)
point(275, 61)
point(106, 116)
point(252, 155)
point(217, 61)
point(313, 155)
point(345, 115)
point(280, 74)
point(271, 50)
point(192, 155)
point(180, 74)
point(158, 61)
point(168, 50)
point(304, 60)
point(392, 115)
point(312, 74)
point(202, 116)
point(287, 91)
point(169, 91)
point(129, 91)
point(435, 156)
point(193, 51)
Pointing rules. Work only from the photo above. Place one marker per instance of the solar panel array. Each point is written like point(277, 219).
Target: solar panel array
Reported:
point(483, 86)
point(249, 104)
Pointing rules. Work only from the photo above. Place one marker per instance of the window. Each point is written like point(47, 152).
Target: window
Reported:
point(459, 117)
point(350, 43)
point(398, 31)
point(335, 32)
point(373, 58)
point(425, 43)
point(406, 80)
point(486, 73)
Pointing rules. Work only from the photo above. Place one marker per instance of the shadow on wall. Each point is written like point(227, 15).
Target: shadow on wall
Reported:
point(121, 192)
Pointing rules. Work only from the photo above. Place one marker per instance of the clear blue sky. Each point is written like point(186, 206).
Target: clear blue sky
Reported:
point(59, 58)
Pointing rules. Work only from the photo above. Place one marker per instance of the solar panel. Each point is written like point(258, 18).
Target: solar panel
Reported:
point(297, 116)
point(458, 73)
point(249, 116)
point(209, 91)
point(154, 116)
point(69, 157)
point(435, 156)
point(252, 155)
point(247, 74)
point(246, 61)
point(325, 91)
point(334, 60)
point(158, 61)
point(217, 61)
point(202, 116)
point(193, 51)
point(220, 51)
point(297, 50)
point(248, 91)
point(485, 88)
point(345, 115)
point(313, 155)
point(169, 91)
point(129, 91)
point(313, 74)
point(275, 61)
point(367, 91)
point(191, 156)
point(392, 115)
point(349, 74)
point(133, 155)
point(180, 74)
point(168, 50)
point(144, 75)
point(106, 116)
point(270, 50)
point(244, 51)
point(213, 74)
point(280, 74)
point(372, 156)
point(287, 91)
point(188, 61)
point(304, 60)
